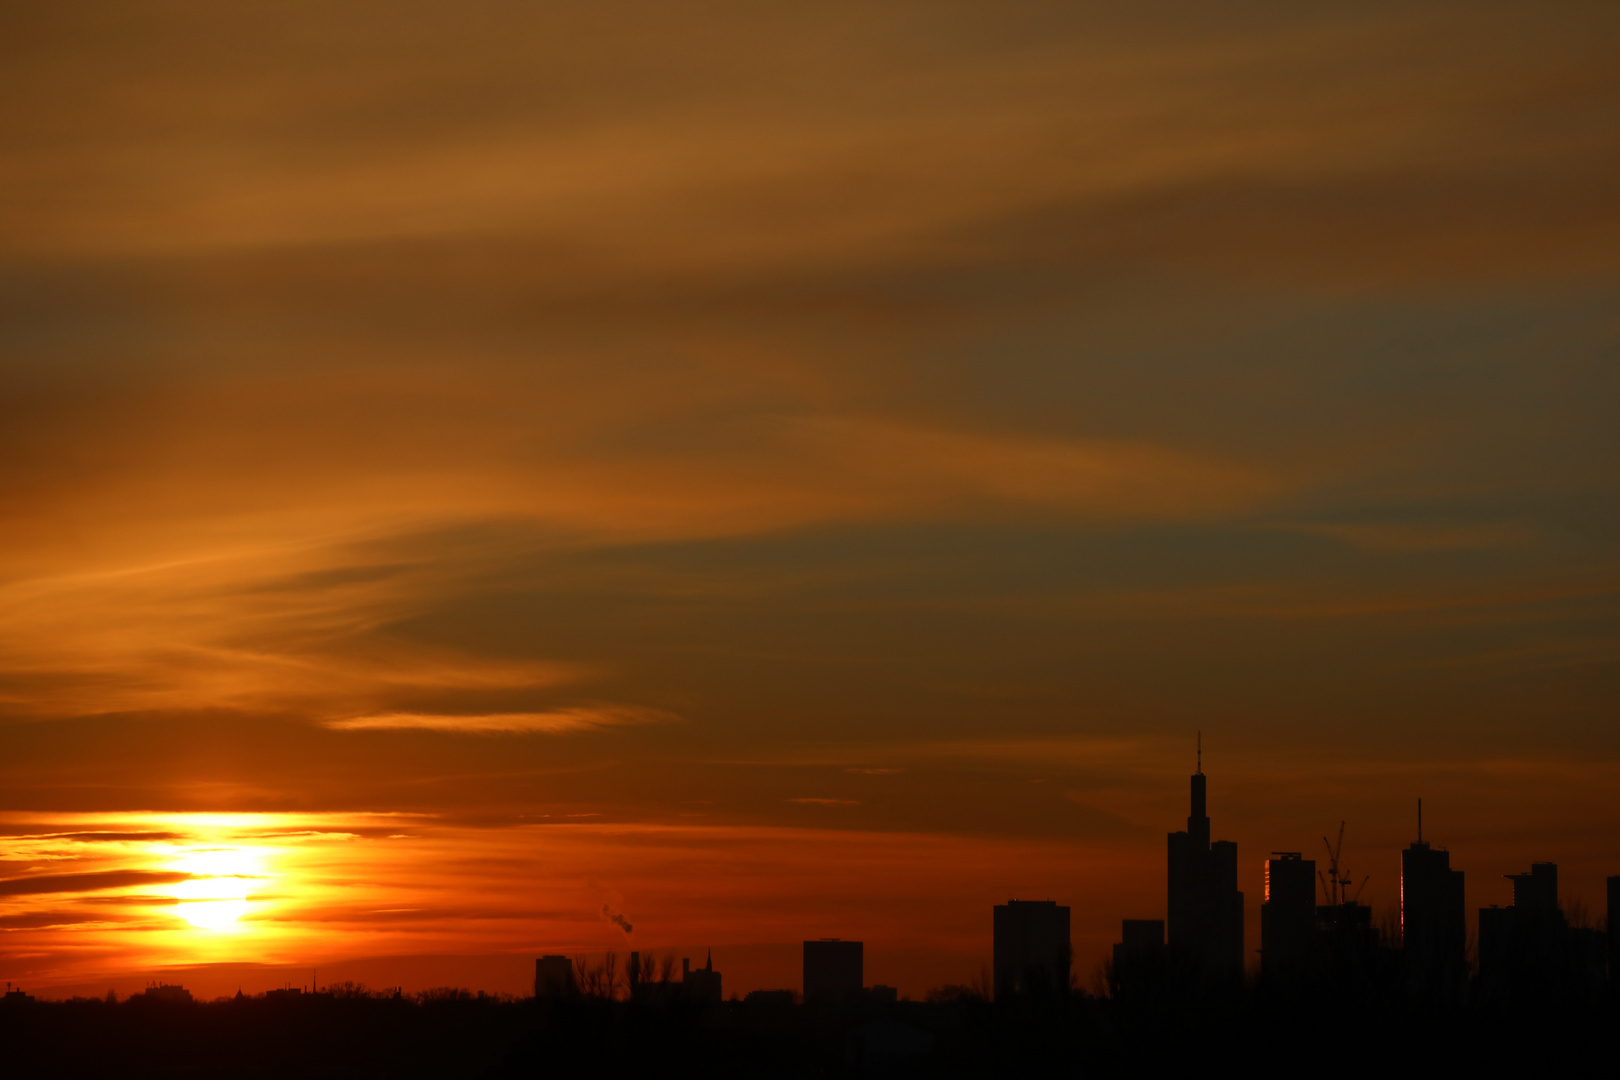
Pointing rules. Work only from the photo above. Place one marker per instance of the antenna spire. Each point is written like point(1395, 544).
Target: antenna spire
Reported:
point(1420, 820)
point(1200, 751)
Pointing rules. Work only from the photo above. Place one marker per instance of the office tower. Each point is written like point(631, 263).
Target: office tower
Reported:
point(1031, 947)
point(1139, 965)
point(1206, 908)
point(553, 976)
point(1496, 939)
point(1288, 916)
point(832, 970)
point(1523, 946)
point(1613, 929)
point(1347, 939)
point(1434, 928)
point(1538, 889)
point(701, 984)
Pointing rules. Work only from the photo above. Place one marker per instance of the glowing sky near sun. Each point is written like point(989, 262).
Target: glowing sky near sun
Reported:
point(782, 472)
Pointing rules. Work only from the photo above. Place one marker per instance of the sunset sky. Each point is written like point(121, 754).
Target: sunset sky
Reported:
point(474, 476)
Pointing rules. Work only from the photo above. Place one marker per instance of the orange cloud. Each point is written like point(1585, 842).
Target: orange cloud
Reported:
point(556, 721)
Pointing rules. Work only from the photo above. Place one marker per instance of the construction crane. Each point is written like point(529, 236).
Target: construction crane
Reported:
point(1335, 885)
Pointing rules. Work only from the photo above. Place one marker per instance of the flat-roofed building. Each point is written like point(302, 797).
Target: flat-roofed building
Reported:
point(833, 970)
point(554, 976)
point(1613, 928)
point(1031, 947)
point(1288, 932)
point(1139, 958)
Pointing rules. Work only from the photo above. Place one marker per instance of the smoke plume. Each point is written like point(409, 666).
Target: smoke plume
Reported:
point(616, 919)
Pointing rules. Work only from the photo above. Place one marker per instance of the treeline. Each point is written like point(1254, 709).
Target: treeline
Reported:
point(348, 991)
point(354, 1031)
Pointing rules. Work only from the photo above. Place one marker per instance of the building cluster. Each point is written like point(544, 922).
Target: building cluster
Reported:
point(1204, 908)
point(834, 973)
point(1313, 929)
point(1527, 948)
point(560, 976)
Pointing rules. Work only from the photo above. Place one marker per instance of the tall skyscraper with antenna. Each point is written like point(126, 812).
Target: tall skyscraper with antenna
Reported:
point(1205, 924)
point(1434, 927)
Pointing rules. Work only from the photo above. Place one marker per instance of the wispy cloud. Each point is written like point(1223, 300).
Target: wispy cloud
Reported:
point(94, 881)
point(553, 722)
point(1377, 536)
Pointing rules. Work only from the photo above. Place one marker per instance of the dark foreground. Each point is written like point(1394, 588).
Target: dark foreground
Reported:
point(1070, 1036)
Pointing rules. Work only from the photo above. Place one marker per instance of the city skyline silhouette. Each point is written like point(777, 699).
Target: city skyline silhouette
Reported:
point(1114, 504)
point(1305, 914)
point(1419, 989)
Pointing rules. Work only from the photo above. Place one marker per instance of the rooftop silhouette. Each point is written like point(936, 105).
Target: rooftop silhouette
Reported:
point(1030, 947)
point(834, 970)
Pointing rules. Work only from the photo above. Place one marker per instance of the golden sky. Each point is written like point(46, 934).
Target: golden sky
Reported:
point(788, 471)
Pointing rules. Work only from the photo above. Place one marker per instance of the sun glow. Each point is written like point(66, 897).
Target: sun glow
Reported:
point(216, 895)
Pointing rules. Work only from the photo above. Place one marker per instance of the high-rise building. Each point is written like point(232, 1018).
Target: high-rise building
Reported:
point(553, 976)
point(1031, 947)
point(1205, 905)
point(1288, 934)
point(1524, 946)
point(1139, 961)
point(1613, 929)
point(1434, 927)
point(1347, 939)
point(833, 970)
point(1538, 889)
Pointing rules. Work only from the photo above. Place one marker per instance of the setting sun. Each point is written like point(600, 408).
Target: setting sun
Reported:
point(216, 895)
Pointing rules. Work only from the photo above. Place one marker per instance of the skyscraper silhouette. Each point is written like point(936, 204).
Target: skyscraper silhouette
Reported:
point(1030, 947)
point(1537, 890)
point(1139, 961)
point(1288, 916)
point(1521, 946)
point(833, 970)
point(1434, 928)
point(1205, 906)
point(1531, 952)
point(1613, 929)
point(554, 976)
